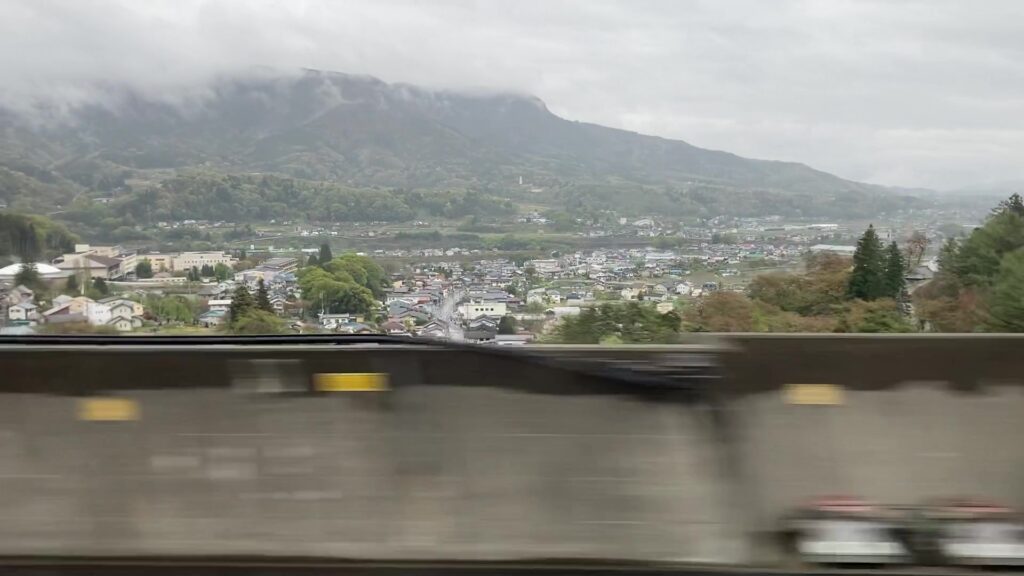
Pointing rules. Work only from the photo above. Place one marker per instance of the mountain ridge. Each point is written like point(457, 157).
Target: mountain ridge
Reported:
point(362, 132)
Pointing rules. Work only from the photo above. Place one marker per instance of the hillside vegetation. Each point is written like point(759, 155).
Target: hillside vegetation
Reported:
point(358, 147)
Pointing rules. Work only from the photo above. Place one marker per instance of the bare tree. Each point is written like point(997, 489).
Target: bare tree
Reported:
point(914, 249)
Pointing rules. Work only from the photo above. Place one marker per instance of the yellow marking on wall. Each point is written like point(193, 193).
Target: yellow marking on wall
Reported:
point(814, 394)
point(108, 409)
point(351, 382)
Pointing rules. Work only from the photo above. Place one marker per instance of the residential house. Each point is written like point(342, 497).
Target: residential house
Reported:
point(483, 323)
point(123, 307)
point(392, 328)
point(480, 336)
point(277, 302)
point(536, 296)
point(213, 318)
point(224, 305)
point(630, 293)
point(434, 329)
point(64, 317)
point(334, 321)
point(20, 294)
point(122, 324)
point(353, 328)
point(22, 312)
point(97, 314)
point(64, 305)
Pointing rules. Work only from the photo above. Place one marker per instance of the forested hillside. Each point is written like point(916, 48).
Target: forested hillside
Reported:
point(336, 140)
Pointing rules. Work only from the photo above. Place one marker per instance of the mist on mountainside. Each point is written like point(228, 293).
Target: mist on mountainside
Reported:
point(360, 132)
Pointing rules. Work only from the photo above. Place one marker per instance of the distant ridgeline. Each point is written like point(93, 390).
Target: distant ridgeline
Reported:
point(348, 148)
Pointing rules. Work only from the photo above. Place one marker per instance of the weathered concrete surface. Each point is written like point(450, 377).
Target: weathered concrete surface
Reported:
point(421, 472)
point(919, 418)
point(475, 456)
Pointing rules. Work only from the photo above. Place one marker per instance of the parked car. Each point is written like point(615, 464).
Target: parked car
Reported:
point(846, 530)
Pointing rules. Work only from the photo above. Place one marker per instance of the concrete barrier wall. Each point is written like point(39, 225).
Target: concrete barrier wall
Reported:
point(915, 418)
point(485, 467)
point(477, 455)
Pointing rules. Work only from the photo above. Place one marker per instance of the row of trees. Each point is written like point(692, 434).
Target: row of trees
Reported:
point(630, 323)
point(980, 283)
point(251, 198)
point(877, 272)
point(29, 238)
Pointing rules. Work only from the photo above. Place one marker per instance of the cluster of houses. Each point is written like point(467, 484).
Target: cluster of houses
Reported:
point(119, 313)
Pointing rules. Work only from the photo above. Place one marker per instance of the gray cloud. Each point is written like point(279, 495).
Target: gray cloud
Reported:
point(916, 93)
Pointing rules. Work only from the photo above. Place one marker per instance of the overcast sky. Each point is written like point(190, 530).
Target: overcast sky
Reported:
point(927, 93)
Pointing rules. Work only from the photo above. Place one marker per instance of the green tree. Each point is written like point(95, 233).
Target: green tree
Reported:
point(507, 325)
point(72, 286)
point(312, 261)
point(206, 271)
point(894, 272)
point(258, 322)
point(867, 281)
point(241, 303)
point(632, 323)
point(144, 269)
point(947, 256)
point(880, 315)
point(979, 257)
point(100, 285)
point(325, 254)
point(1005, 308)
point(222, 272)
point(721, 312)
point(1012, 205)
point(28, 276)
point(263, 297)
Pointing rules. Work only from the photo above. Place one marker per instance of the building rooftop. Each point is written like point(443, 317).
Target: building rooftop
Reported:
point(41, 267)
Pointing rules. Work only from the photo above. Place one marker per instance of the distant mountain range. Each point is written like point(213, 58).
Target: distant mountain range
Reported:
point(360, 132)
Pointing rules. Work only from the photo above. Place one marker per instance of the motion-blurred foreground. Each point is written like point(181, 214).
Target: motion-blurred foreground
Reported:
point(767, 451)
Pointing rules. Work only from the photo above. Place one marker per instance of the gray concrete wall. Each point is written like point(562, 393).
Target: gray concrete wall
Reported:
point(425, 471)
point(474, 455)
point(918, 418)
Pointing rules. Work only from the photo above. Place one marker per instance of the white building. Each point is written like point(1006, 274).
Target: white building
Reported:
point(97, 314)
point(472, 310)
point(546, 266)
point(559, 311)
point(47, 272)
point(22, 311)
point(834, 249)
point(188, 260)
point(224, 305)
